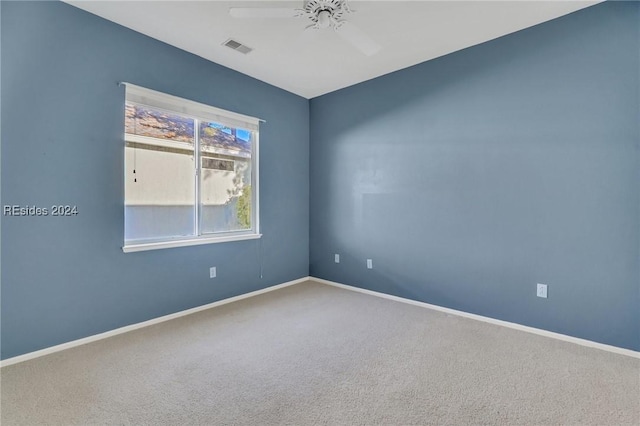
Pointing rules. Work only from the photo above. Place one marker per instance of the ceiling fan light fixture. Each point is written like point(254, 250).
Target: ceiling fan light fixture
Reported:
point(324, 19)
point(323, 14)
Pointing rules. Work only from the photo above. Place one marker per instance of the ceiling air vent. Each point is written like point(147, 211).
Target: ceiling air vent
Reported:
point(237, 46)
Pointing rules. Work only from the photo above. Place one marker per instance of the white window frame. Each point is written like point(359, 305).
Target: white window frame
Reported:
point(200, 112)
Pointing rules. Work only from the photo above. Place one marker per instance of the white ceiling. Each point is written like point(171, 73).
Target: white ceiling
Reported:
point(410, 32)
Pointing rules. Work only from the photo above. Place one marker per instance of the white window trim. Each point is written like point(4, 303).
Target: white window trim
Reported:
point(197, 110)
point(196, 241)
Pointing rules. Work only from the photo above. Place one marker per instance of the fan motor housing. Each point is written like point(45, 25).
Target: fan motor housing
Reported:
point(336, 9)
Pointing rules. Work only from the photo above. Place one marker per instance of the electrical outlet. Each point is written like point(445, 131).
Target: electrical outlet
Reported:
point(542, 291)
point(212, 272)
point(336, 258)
point(369, 263)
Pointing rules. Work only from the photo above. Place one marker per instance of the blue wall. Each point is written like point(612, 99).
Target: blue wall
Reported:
point(62, 143)
point(470, 178)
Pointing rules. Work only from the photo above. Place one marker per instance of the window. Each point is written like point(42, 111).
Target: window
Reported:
point(190, 172)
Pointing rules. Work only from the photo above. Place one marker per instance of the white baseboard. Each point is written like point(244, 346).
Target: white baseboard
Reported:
point(540, 332)
point(121, 330)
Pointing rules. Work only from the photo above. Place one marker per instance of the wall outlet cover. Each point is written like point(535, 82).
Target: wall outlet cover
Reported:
point(542, 291)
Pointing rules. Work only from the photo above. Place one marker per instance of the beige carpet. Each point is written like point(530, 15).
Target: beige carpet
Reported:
point(314, 354)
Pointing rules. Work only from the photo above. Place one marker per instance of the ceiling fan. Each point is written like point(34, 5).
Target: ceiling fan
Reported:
point(323, 14)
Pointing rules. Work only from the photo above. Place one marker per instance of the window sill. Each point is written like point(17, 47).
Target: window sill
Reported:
point(130, 248)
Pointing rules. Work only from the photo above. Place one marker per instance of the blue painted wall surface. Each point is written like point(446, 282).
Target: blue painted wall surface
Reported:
point(470, 178)
point(62, 143)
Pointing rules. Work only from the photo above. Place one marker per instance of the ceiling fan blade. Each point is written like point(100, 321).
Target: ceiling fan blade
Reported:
point(358, 38)
point(265, 12)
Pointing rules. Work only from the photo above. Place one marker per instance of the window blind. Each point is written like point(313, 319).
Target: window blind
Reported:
point(144, 96)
